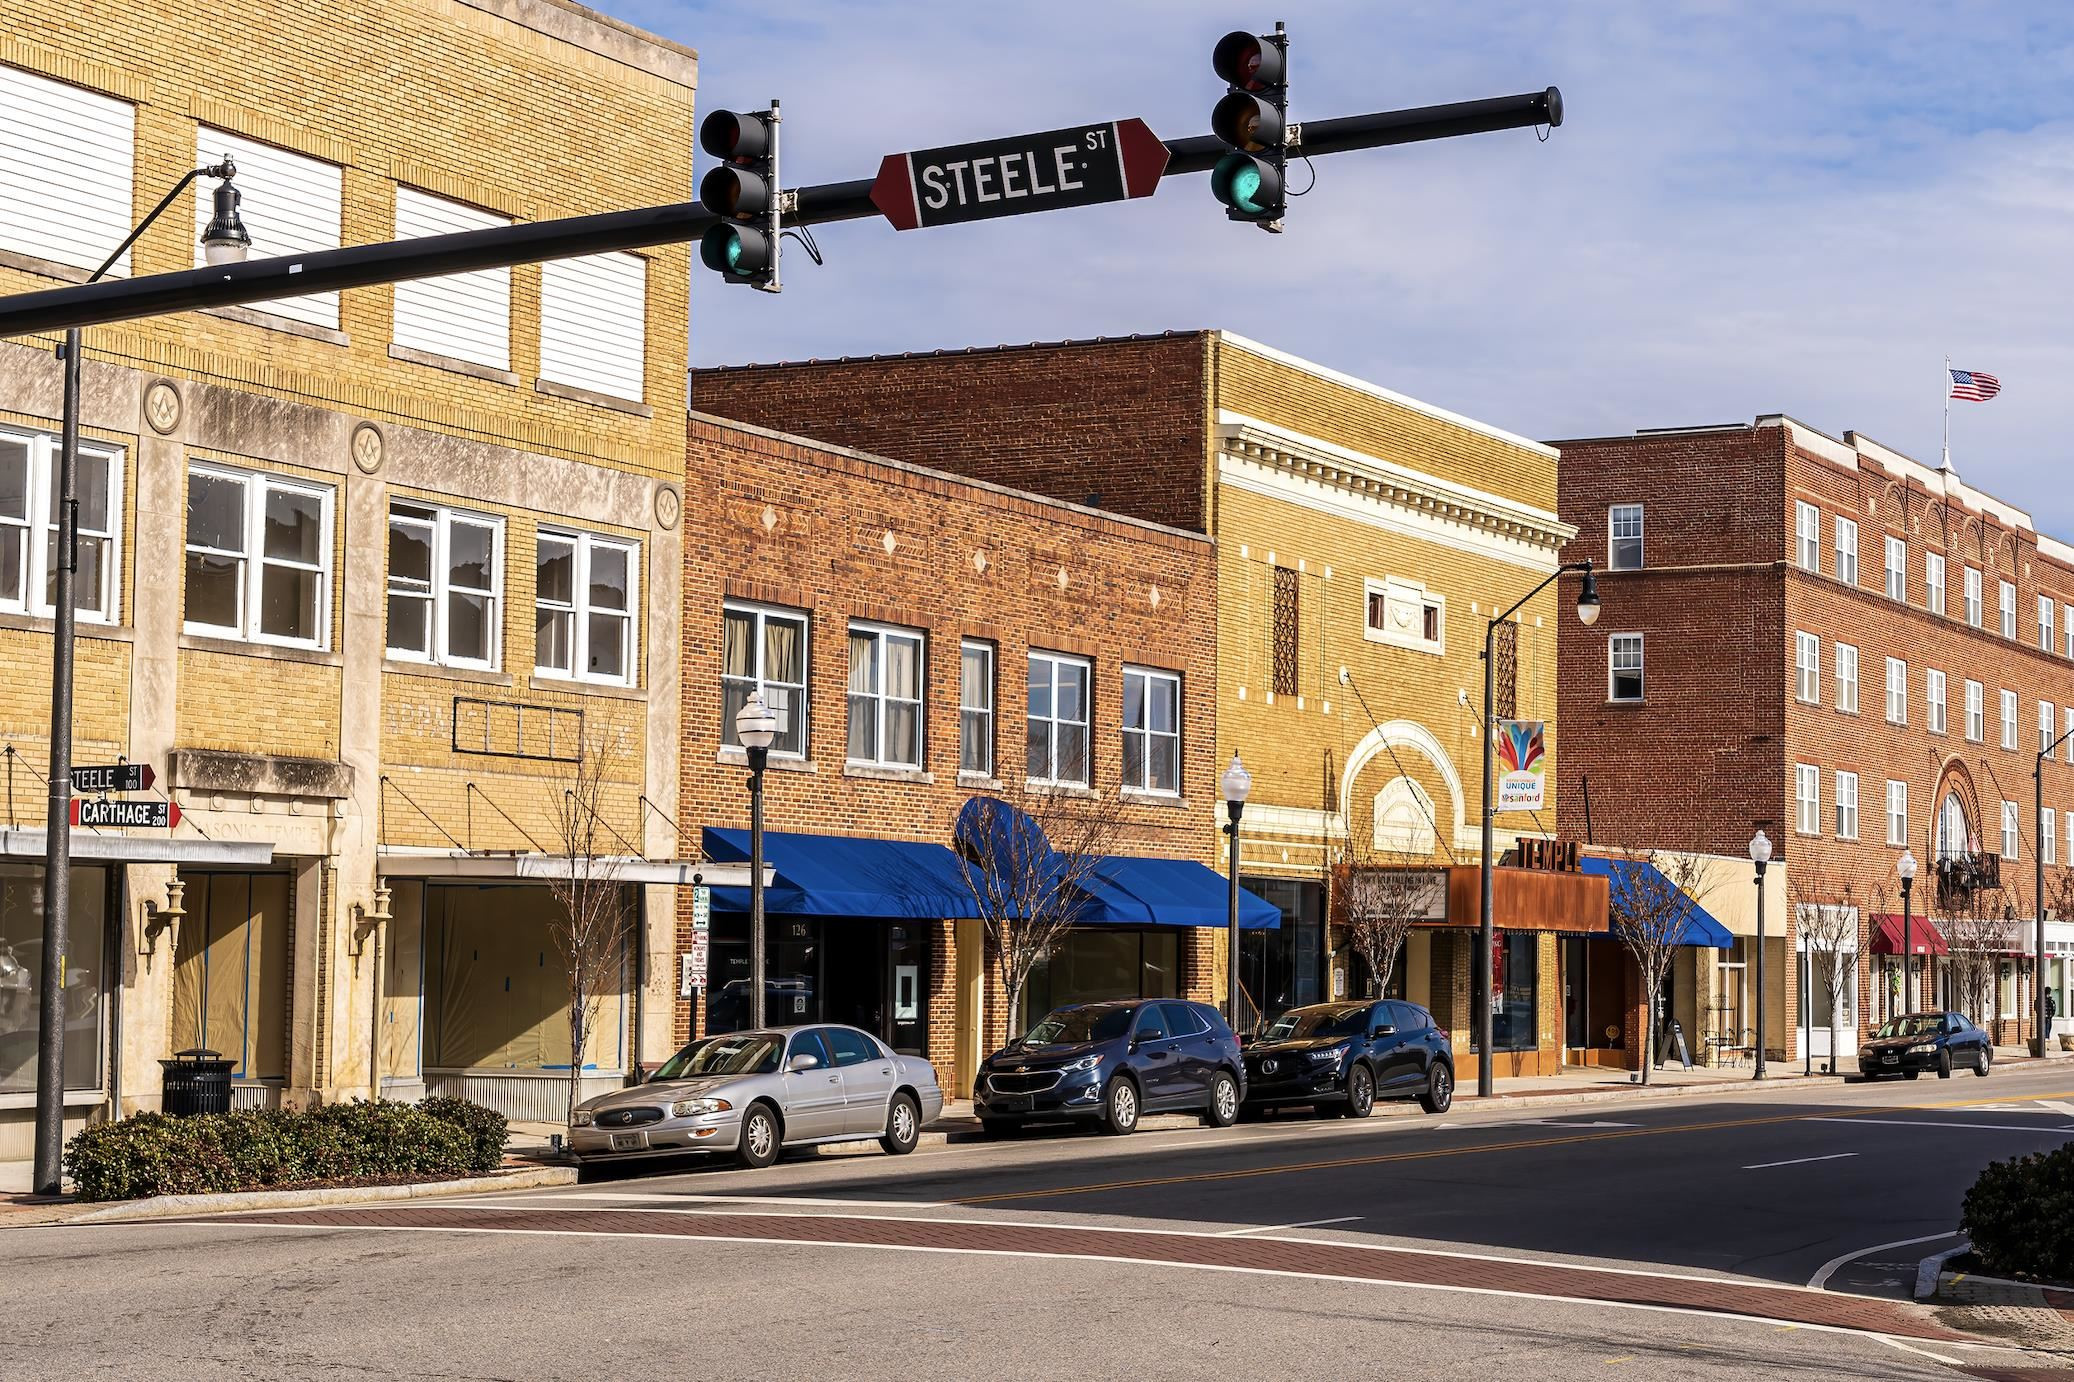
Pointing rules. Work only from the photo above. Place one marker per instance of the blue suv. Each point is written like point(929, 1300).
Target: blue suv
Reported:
point(1109, 1063)
point(1348, 1055)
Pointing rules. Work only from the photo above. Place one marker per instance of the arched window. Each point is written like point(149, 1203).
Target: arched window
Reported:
point(1404, 818)
point(1951, 828)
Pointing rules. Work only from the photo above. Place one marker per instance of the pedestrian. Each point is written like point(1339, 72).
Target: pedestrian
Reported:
point(2052, 1005)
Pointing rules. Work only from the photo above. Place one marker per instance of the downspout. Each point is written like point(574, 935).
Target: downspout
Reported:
point(116, 941)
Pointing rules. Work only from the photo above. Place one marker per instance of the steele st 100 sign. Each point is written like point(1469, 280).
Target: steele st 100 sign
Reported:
point(1082, 165)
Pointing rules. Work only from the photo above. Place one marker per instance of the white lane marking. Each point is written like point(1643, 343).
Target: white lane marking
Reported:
point(1799, 1161)
point(1278, 1228)
point(1818, 1281)
point(2058, 1106)
point(1926, 1123)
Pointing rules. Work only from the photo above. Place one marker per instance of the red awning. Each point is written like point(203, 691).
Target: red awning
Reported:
point(1923, 936)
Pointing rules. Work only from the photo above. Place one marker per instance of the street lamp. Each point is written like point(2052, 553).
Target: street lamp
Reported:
point(224, 242)
point(1760, 855)
point(1906, 867)
point(756, 727)
point(1587, 614)
point(1233, 787)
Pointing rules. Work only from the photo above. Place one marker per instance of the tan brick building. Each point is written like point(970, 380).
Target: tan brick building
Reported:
point(1856, 653)
point(363, 569)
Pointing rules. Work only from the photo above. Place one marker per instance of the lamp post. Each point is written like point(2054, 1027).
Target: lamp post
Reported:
point(1480, 972)
point(1760, 855)
point(223, 242)
point(1906, 867)
point(1233, 787)
point(756, 727)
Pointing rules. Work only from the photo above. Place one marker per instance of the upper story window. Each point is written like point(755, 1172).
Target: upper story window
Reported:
point(2009, 720)
point(1976, 712)
point(2067, 623)
point(2045, 730)
point(2007, 604)
point(1402, 613)
point(2047, 607)
point(29, 528)
point(1933, 582)
point(1847, 551)
point(1933, 693)
point(2010, 830)
point(446, 572)
point(1807, 798)
point(1624, 537)
point(976, 708)
point(1151, 730)
point(1285, 632)
point(1897, 691)
point(885, 694)
point(1624, 667)
point(1807, 667)
point(2067, 729)
point(2048, 836)
point(765, 649)
point(1847, 678)
point(593, 323)
point(1973, 605)
point(1897, 812)
point(66, 160)
point(1059, 695)
point(583, 608)
point(461, 316)
point(1807, 536)
point(1846, 806)
point(258, 557)
point(1897, 569)
point(301, 199)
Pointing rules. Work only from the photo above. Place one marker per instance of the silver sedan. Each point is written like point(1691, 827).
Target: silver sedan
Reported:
point(752, 1093)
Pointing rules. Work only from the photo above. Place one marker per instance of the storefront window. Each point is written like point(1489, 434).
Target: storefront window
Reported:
point(1096, 964)
point(1284, 968)
point(1513, 974)
point(21, 962)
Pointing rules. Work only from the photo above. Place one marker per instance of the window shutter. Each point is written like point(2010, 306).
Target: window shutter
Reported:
point(296, 201)
point(593, 323)
point(461, 316)
point(66, 156)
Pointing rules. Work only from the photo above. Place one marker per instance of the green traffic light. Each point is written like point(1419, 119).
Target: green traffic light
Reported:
point(720, 249)
point(1246, 185)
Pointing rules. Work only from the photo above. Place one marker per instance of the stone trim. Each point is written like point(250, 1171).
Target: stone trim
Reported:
point(591, 396)
point(286, 325)
point(452, 365)
point(219, 771)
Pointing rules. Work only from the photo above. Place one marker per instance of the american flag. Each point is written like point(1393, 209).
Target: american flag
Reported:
point(1973, 386)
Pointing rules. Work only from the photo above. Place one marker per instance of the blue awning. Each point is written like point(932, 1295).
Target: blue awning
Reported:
point(1695, 928)
point(1128, 891)
point(845, 876)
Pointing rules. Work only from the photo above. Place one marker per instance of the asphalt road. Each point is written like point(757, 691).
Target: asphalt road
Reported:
point(1678, 1237)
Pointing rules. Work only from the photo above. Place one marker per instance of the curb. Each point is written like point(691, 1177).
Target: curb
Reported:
point(1930, 1271)
point(174, 1206)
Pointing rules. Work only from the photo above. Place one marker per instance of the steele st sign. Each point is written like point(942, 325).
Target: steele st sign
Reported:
point(1081, 165)
point(113, 777)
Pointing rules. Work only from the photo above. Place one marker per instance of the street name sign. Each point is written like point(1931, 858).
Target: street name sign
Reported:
point(113, 777)
point(1081, 165)
point(117, 812)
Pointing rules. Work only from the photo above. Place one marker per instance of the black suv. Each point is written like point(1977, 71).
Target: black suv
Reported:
point(1111, 1062)
point(1350, 1054)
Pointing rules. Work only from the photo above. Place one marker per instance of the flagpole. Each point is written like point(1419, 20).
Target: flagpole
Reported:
point(1947, 412)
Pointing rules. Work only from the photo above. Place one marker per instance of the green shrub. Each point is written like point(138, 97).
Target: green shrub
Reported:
point(486, 1128)
point(2017, 1215)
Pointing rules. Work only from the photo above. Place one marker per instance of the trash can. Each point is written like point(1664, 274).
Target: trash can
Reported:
point(196, 1081)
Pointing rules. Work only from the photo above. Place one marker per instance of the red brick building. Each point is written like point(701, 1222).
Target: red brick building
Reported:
point(1857, 654)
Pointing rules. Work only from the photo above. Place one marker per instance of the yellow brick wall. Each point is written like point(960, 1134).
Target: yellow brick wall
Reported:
point(101, 711)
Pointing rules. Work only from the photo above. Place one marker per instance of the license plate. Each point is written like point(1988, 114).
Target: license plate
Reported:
point(628, 1141)
point(1890, 1060)
point(1013, 1103)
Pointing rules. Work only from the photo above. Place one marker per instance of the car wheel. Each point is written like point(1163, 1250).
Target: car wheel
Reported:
point(1224, 1102)
point(1120, 1107)
point(1360, 1092)
point(1439, 1095)
point(1944, 1064)
point(1910, 1074)
point(1982, 1059)
point(903, 1126)
point(759, 1146)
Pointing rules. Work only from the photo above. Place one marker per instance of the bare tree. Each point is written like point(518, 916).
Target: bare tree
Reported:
point(1879, 903)
point(1028, 856)
point(1649, 907)
point(597, 919)
point(1976, 934)
point(1826, 916)
point(1387, 893)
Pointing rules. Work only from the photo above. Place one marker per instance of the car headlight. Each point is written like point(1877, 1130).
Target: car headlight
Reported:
point(1084, 1063)
point(1330, 1056)
point(692, 1108)
point(581, 1118)
point(1922, 1048)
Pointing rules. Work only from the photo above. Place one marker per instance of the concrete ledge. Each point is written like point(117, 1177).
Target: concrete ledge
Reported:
point(180, 1206)
point(1930, 1271)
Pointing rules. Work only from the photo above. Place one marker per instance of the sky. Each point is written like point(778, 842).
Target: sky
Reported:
point(1750, 207)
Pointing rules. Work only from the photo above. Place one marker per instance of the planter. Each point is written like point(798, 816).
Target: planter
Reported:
point(2067, 1041)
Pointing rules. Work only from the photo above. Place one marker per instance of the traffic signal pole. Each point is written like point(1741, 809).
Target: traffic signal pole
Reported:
point(360, 266)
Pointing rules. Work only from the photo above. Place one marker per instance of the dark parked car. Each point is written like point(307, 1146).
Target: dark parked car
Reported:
point(1348, 1055)
point(1909, 1045)
point(1109, 1063)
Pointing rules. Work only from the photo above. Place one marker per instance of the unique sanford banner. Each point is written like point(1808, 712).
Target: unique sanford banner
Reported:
point(1522, 758)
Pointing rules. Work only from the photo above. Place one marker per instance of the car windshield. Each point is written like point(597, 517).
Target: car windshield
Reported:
point(1913, 1025)
point(1299, 1023)
point(738, 1053)
point(1072, 1025)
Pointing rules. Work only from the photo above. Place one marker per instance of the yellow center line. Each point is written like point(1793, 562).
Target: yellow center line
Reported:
point(1383, 1158)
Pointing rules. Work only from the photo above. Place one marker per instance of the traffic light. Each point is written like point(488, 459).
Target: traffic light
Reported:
point(1253, 117)
point(743, 192)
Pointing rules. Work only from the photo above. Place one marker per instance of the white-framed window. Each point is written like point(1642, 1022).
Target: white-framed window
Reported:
point(1897, 812)
point(2005, 988)
point(1151, 731)
point(1624, 667)
point(594, 323)
point(66, 159)
point(1807, 798)
point(2067, 729)
point(2067, 627)
point(1976, 713)
point(446, 582)
point(2006, 603)
point(1973, 605)
point(2009, 720)
point(1933, 582)
point(1933, 693)
point(764, 648)
point(1847, 678)
point(300, 198)
point(1897, 691)
point(258, 557)
point(463, 316)
point(1846, 806)
point(1405, 614)
point(1897, 568)
point(2010, 831)
point(885, 695)
point(1060, 691)
point(1807, 536)
point(2047, 608)
point(2046, 733)
point(1846, 550)
point(1807, 667)
point(584, 591)
point(1624, 537)
point(29, 527)
point(2048, 835)
point(2070, 834)
point(976, 707)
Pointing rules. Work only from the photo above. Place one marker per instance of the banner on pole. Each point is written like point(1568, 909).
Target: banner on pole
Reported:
point(1522, 761)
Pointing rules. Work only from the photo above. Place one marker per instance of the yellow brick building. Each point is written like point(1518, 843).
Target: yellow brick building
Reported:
point(368, 570)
